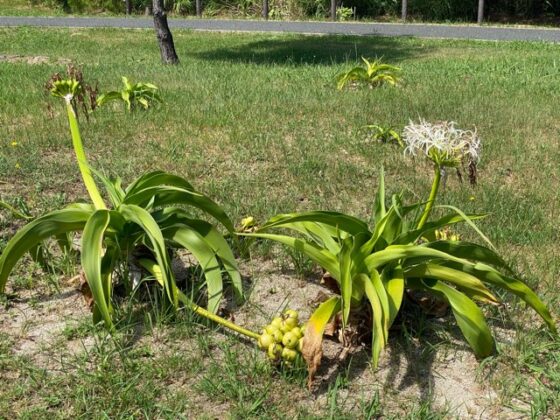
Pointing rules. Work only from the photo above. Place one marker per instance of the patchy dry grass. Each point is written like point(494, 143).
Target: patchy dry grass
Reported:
point(255, 121)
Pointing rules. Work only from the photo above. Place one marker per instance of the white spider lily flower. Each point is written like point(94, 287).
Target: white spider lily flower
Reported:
point(442, 143)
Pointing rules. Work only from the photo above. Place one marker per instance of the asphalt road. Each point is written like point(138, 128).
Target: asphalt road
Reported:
point(365, 29)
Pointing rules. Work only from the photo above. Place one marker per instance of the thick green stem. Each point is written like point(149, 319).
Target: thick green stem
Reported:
point(217, 319)
point(432, 199)
point(82, 161)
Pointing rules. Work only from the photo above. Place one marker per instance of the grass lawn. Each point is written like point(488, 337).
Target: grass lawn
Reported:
point(255, 121)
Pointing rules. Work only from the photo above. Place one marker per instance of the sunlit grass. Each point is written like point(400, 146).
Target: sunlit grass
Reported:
point(255, 121)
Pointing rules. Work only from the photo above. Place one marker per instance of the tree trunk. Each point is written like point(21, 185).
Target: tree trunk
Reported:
point(128, 6)
point(198, 6)
point(480, 17)
point(404, 10)
point(265, 10)
point(165, 39)
point(333, 10)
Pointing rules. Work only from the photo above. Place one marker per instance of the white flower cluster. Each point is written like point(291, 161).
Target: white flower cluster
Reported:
point(442, 142)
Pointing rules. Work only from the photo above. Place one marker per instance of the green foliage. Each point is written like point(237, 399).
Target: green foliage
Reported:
point(132, 95)
point(147, 218)
point(376, 265)
point(384, 134)
point(344, 13)
point(375, 73)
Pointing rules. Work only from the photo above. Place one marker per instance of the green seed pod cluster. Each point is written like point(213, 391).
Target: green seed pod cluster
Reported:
point(282, 339)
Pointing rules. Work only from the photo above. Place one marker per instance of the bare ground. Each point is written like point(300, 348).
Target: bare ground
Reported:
point(447, 375)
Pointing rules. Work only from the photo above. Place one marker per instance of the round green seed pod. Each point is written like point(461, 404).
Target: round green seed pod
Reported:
point(277, 335)
point(297, 332)
point(289, 355)
point(274, 352)
point(271, 328)
point(277, 322)
point(290, 323)
point(265, 341)
point(285, 328)
point(290, 313)
point(290, 340)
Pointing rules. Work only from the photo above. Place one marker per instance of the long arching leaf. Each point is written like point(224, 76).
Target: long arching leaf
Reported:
point(469, 316)
point(321, 256)
point(379, 335)
point(468, 283)
point(470, 251)
point(51, 224)
point(394, 284)
point(160, 196)
point(395, 253)
point(143, 219)
point(173, 216)
point(345, 264)
point(339, 221)
point(157, 178)
point(92, 254)
point(189, 239)
point(490, 275)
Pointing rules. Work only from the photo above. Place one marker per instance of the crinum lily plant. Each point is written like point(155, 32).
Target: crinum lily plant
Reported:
point(373, 265)
point(148, 216)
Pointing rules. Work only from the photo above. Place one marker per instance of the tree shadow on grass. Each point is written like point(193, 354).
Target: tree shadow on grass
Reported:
point(318, 50)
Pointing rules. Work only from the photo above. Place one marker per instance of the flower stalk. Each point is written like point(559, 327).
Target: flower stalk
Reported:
point(432, 198)
point(216, 318)
point(87, 176)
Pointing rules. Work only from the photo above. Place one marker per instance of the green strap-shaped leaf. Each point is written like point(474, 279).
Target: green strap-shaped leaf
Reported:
point(321, 256)
point(468, 283)
point(32, 234)
point(471, 252)
point(469, 316)
point(384, 301)
point(113, 188)
point(488, 274)
point(395, 253)
point(143, 219)
point(189, 239)
point(92, 254)
point(222, 250)
point(379, 335)
point(109, 96)
point(172, 216)
point(339, 221)
point(345, 264)
point(394, 284)
point(165, 195)
point(318, 233)
point(157, 178)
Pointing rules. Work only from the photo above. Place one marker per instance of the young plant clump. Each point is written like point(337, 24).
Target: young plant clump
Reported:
point(132, 95)
point(374, 74)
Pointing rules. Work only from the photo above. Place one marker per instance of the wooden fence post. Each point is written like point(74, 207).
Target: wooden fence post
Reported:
point(480, 18)
point(333, 10)
point(198, 6)
point(404, 10)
